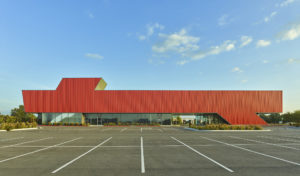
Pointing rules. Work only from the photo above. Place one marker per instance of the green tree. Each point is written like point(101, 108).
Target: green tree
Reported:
point(2, 120)
point(275, 118)
point(296, 116)
point(263, 116)
point(22, 116)
point(287, 117)
point(179, 120)
point(7, 119)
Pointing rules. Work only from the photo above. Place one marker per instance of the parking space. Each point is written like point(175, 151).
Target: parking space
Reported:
point(148, 151)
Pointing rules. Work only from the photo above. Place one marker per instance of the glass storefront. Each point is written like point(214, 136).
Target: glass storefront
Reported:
point(209, 118)
point(46, 118)
point(124, 119)
point(101, 119)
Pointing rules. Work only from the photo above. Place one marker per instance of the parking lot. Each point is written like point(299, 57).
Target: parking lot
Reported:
point(149, 151)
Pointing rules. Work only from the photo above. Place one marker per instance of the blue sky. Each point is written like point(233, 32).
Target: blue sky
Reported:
point(154, 44)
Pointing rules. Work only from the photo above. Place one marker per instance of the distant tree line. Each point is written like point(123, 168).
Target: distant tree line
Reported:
point(289, 117)
point(18, 115)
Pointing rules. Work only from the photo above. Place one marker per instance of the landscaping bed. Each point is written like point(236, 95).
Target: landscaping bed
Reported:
point(17, 125)
point(130, 124)
point(227, 127)
point(65, 124)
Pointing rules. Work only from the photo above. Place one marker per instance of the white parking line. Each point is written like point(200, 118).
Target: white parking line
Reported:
point(123, 129)
point(224, 167)
point(25, 142)
point(36, 151)
point(106, 129)
point(293, 137)
point(3, 140)
point(142, 157)
point(280, 139)
point(70, 162)
point(141, 130)
point(129, 146)
point(252, 151)
point(265, 143)
point(160, 130)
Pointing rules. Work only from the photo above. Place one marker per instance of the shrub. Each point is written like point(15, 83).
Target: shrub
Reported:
point(226, 127)
point(23, 125)
point(295, 124)
point(34, 124)
point(257, 127)
point(111, 124)
point(8, 127)
point(76, 124)
point(18, 125)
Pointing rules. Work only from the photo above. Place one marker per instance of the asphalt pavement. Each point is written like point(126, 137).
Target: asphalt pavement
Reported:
point(132, 150)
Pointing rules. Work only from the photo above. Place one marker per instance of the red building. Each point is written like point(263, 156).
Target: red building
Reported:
point(85, 100)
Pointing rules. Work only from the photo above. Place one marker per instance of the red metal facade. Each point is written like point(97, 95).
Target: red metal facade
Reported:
point(79, 95)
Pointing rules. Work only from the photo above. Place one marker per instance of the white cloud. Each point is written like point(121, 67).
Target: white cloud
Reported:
point(293, 60)
point(142, 37)
point(178, 42)
point(292, 33)
point(245, 40)
point(156, 61)
point(237, 69)
point(215, 50)
point(150, 30)
point(224, 20)
point(182, 62)
point(91, 15)
point(244, 81)
point(265, 61)
point(286, 3)
point(263, 43)
point(94, 56)
point(268, 18)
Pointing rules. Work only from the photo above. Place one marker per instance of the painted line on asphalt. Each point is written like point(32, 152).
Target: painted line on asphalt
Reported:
point(129, 146)
point(196, 151)
point(25, 142)
point(11, 139)
point(160, 130)
point(18, 156)
point(106, 129)
point(265, 143)
point(123, 129)
point(63, 146)
point(142, 157)
point(70, 162)
point(289, 140)
point(293, 137)
point(252, 151)
point(141, 130)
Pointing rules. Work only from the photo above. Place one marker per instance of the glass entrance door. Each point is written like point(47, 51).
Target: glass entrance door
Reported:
point(93, 119)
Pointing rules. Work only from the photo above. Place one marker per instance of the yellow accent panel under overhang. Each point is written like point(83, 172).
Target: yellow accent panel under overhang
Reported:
point(101, 85)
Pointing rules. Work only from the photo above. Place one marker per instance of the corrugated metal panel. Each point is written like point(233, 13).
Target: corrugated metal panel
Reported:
point(79, 95)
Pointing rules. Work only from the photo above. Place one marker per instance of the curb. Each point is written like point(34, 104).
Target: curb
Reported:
point(21, 129)
point(192, 129)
